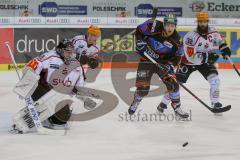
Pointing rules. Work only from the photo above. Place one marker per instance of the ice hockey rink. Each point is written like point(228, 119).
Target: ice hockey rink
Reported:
point(109, 137)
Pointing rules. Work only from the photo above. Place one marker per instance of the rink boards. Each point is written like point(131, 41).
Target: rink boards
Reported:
point(28, 43)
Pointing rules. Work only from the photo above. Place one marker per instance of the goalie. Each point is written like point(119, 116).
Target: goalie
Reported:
point(50, 80)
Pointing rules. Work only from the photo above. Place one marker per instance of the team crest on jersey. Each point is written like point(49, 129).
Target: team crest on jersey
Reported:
point(166, 43)
point(190, 51)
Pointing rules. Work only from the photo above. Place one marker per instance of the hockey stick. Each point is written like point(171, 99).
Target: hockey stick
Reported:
point(234, 66)
point(154, 16)
point(214, 110)
point(29, 103)
point(112, 44)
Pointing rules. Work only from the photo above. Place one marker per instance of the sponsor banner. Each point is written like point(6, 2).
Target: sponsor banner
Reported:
point(52, 9)
point(125, 21)
point(118, 8)
point(113, 8)
point(162, 11)
point(6, 35)
point(113, 21)
point(107, 65)
point(146, 10)
point(9, 67)
point(57, 20)
point(89, 20)
point(217, 9)
point(16, 8)
point(6, 20)
point(32, 42)
point(29, 20)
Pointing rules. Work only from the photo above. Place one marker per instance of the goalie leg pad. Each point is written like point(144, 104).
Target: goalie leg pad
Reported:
point(27, 84)
point(46, 106)
point(22, 121)
point(51, 103)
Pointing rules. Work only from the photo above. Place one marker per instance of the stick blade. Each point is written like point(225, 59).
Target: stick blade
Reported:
point(222, 109)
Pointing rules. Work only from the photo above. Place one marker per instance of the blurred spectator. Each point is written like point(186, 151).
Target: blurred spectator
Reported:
point(122, 14)
point(26, 13)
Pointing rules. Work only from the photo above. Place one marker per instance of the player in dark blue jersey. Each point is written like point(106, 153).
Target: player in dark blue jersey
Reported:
point(161, 42)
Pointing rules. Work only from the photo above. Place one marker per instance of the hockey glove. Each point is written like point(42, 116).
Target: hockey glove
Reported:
point(226, 52)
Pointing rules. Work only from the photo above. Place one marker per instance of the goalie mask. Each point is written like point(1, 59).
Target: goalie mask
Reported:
point(66, 51)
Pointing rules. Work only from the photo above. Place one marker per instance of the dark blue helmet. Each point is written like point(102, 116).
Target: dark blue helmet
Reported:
point(170, 18)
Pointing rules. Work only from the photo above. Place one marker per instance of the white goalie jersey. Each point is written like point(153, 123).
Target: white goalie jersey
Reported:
point(195, 45)
point(54, 72)
point(81, 46)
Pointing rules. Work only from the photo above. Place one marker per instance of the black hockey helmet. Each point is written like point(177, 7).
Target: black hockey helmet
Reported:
point(65, 45)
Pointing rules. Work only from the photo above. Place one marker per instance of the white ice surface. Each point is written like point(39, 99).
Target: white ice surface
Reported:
point(108, 138)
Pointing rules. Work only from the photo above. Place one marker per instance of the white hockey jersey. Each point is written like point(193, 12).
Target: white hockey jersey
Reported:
point(195, 45)
point(81, 46)
point(54, 72)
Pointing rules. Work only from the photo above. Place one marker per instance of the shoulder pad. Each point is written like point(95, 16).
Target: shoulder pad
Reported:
point(77, 38)
point(47, 55)
point(212, 29)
